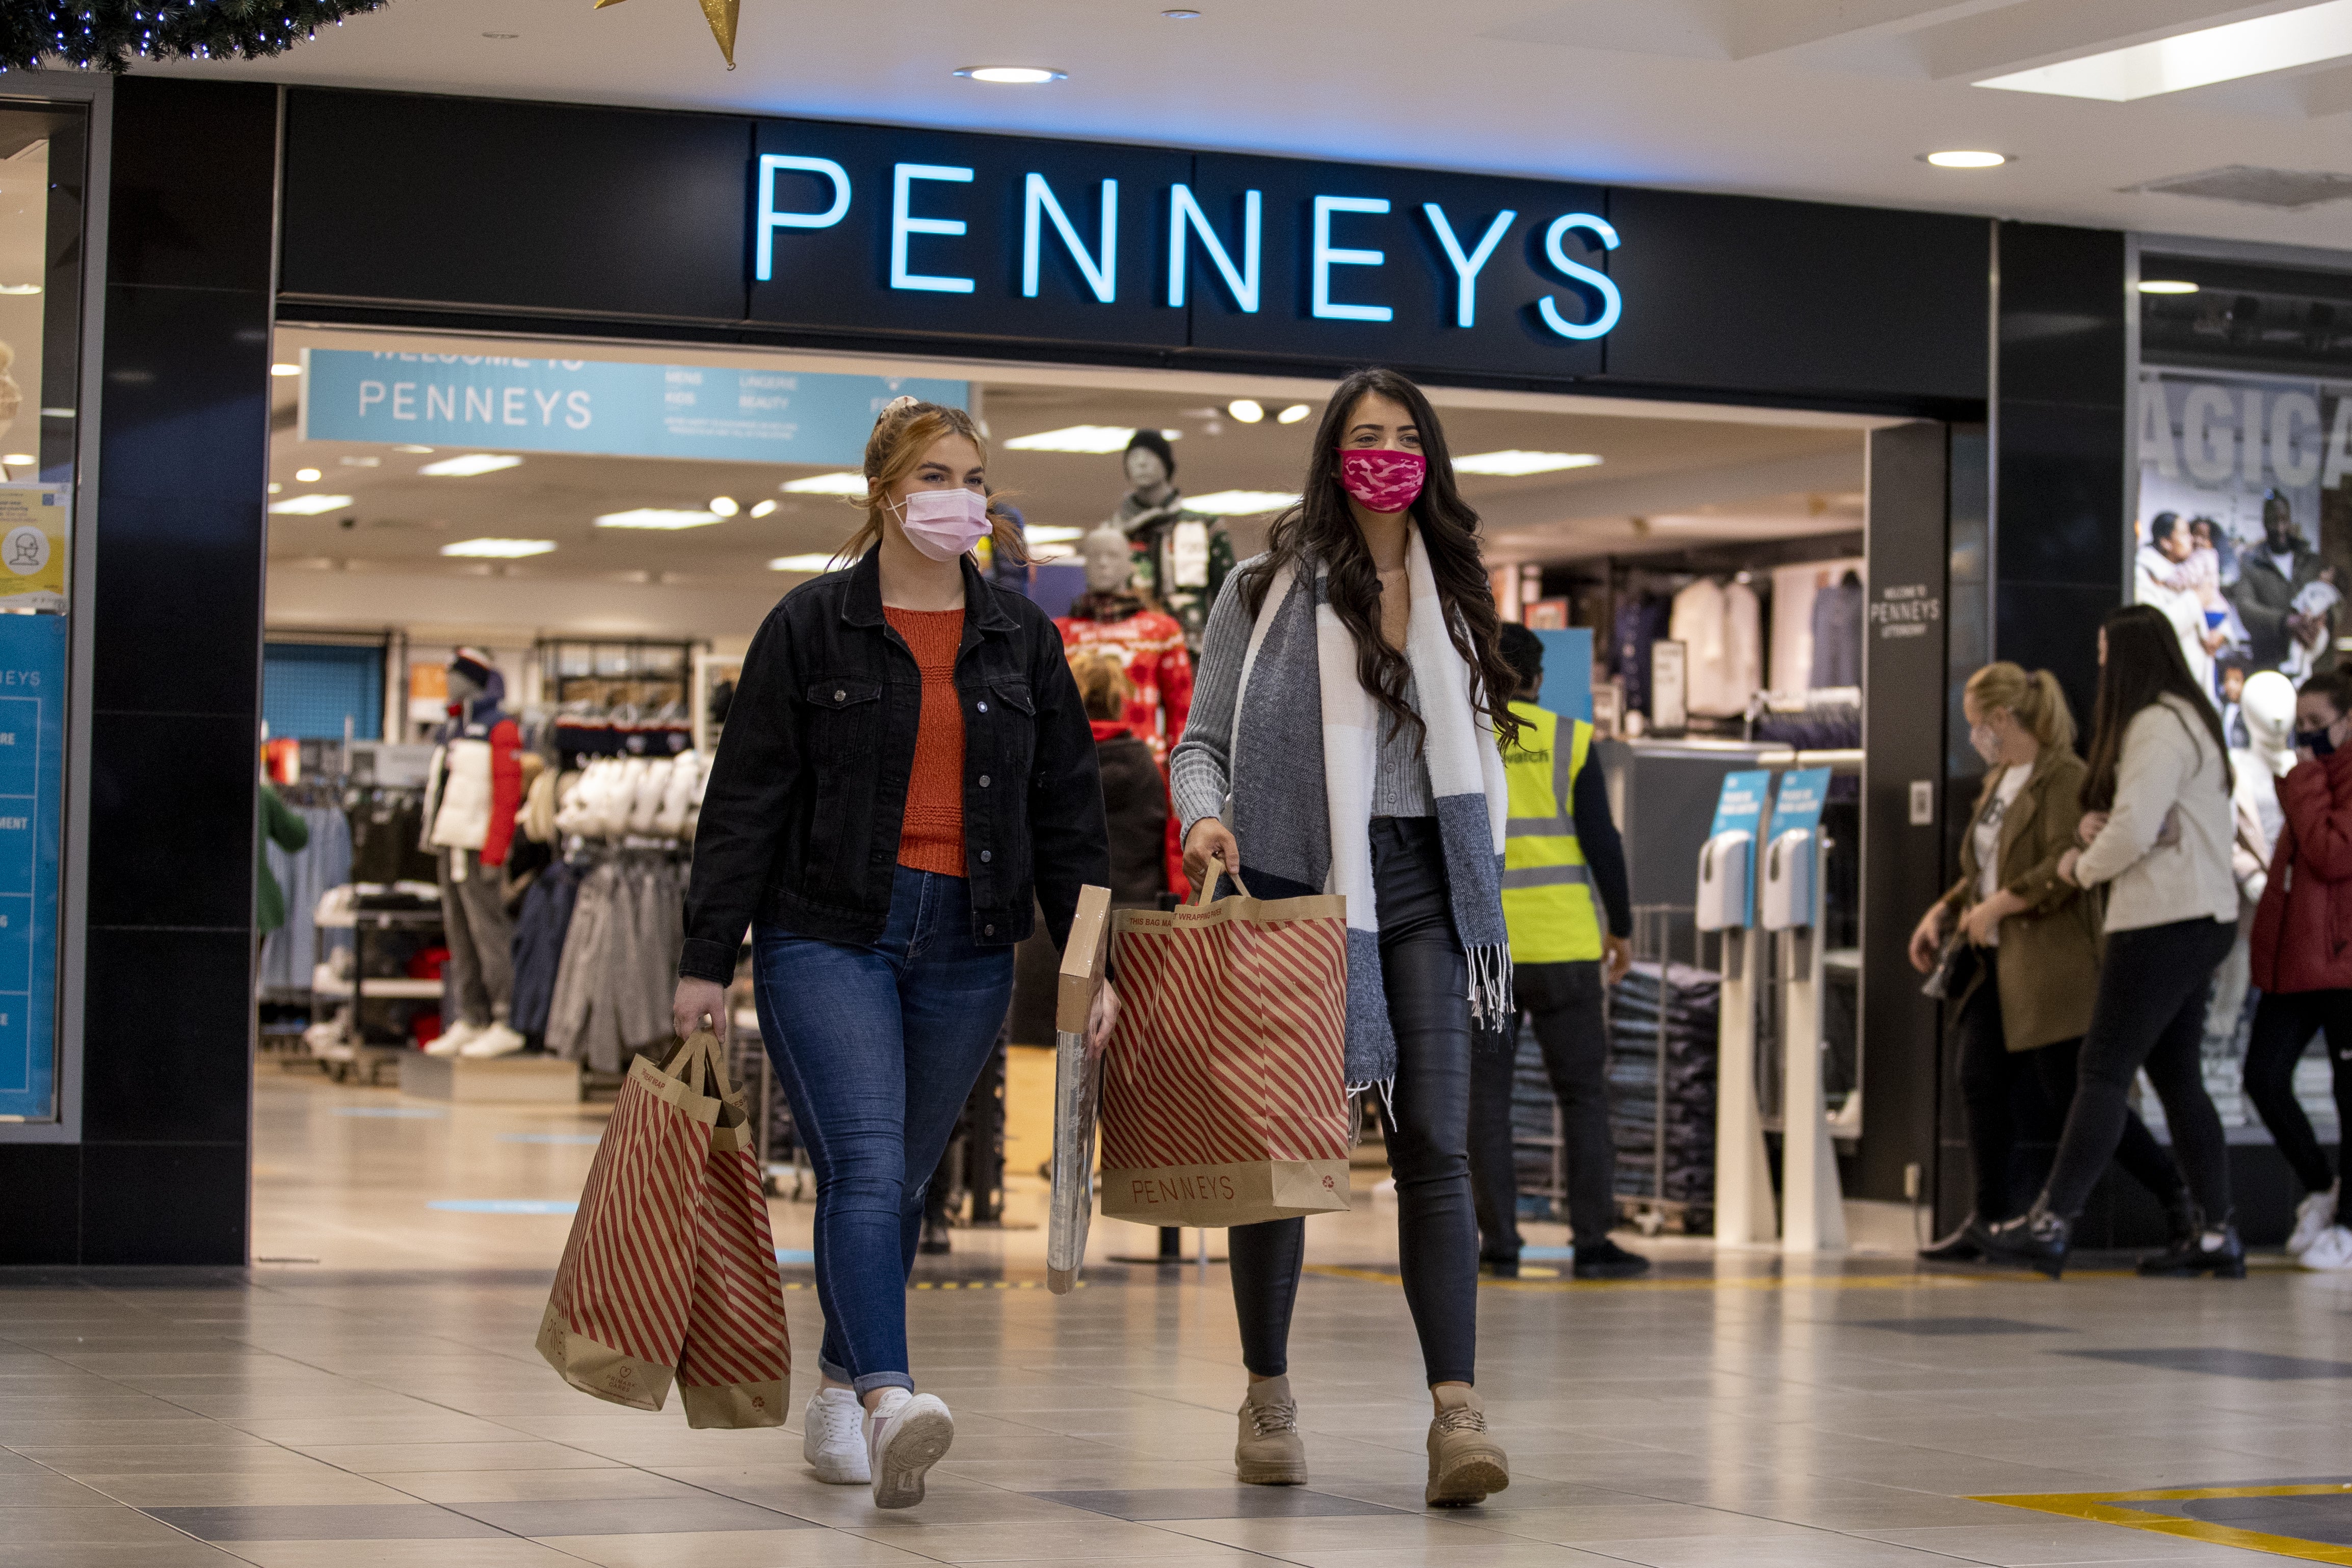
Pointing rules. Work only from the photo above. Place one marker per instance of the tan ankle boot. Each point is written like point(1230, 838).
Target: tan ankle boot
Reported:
point(1465, 1463)
point(1269, 1453)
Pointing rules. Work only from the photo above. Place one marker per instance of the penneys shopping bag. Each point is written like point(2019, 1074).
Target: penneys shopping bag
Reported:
point(1224, 1089)
point(1077, 1085)
point(738, 1358)
point(615, 1320)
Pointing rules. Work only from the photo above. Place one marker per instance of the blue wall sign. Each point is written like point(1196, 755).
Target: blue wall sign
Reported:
point(604, 407)
point(1739, 808)
point(1799, 803)
point(32, 754)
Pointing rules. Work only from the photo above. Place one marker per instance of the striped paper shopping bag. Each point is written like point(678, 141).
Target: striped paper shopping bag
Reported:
point(1224, 1094)
point(655, 1256)
point(738, 1360)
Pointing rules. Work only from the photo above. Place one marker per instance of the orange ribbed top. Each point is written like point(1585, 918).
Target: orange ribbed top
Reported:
point(931, 835)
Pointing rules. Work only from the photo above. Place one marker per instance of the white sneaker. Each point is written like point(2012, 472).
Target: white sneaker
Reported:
point(496, 1041)
point(833, 1438)
point(2331, 1253)
point(906, 1435)
point(454, 1039)
point(2312, 1215)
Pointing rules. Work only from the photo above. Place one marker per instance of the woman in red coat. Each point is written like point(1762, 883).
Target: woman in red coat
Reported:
point(2302, 952)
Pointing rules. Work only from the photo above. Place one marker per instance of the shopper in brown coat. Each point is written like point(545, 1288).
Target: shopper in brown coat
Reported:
point(2032, 959)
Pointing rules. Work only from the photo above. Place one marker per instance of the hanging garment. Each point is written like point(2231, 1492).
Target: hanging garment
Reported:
point(539, 945)
point(1720, 627)
point(619, 966)
point(292, 951)
point(1837, 636)
point(1640, 622)
point(1150, 647)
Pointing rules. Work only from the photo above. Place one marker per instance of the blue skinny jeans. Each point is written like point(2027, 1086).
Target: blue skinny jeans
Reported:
point(878, 1046)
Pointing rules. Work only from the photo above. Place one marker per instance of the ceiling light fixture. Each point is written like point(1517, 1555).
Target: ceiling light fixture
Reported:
point(19, 289)
point(1515, 462)
point(285, 369)
point(817, 563)
point(1056, 535)
point(1181, 15)
point(1240, 503)
point(499, 549)
point(275, 486)
point(2253, 47)
point(19, 459)
point(763, 508)
point(306, 475)
point(845, 482)
point(414, 451)
point(1249, 411)
point(2166, 286)
point(309, 505)
point(1096, 439)
point(471, 464)
point(1293, 415)
point(1013, 75)
point(663, 519)
point(1964, 159)
point(724, 505)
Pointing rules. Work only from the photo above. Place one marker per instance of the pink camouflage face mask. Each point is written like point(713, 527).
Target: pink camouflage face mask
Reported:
point(1383, 481)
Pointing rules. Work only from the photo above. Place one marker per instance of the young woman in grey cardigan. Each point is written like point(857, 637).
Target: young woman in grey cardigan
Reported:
point(2157, 836)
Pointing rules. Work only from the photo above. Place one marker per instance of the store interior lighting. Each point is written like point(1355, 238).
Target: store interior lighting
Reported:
point(845, 482)
point(19, 459)
point(2257, 46)
point(308, 506)
point(1249, 411)
point(1515, 462)
point(414, 451)
point(724, 505)
point(19, 289)
point(763, 508)
point(499, 549)
point(1013, 75)
point(1964, 159)
point(1240, 503)
point(1293, 415)
point(469, 465)
point(306, 475)
point(285, 369)
point(2166, 286)
point(659, 518)
point(820, 561)
point(1099, 440)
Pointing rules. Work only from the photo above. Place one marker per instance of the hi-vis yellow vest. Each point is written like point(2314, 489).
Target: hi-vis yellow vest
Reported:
point(1548, 898)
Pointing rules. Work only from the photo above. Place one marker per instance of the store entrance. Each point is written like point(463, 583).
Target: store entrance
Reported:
point(576, 542)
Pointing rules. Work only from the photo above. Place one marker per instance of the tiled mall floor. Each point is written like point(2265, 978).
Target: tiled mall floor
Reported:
point(383, 1405)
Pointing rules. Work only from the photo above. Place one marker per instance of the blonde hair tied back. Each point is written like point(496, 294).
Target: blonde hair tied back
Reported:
point(904, 431)
point(2035, 697)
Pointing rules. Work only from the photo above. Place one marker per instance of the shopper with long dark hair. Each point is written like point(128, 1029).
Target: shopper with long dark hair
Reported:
point(1350, 692)
point(2302, 964)
point(907, 775)
point(2157, 836)
point(2033, 945)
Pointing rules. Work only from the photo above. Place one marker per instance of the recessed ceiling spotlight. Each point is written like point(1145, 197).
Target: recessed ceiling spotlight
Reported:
point(19, 289)
point(19, 459)
point(285, 369)
point(471, 464)
point(499, 549)
point(1293, 415)
point(724, 505)
point(306, 475)
point(2166, 286)
point(1966, 160)
point(763, 508)
point(275, 486)
point(1249, 411)
point(666, 518)
point(1012, 76)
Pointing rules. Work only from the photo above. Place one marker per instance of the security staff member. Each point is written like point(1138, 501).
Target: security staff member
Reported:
point(1562, 865)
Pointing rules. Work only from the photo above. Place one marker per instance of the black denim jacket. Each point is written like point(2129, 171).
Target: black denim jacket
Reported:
point(800, 822)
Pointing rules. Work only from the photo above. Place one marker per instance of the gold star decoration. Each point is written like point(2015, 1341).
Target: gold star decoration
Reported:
point(721, 16)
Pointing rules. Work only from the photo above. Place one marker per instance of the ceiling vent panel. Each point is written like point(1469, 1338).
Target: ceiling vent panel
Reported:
point(2280, 190)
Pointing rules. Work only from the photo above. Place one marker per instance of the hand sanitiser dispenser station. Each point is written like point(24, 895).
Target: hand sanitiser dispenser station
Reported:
point(1743, 1180)
point(1812, 1208)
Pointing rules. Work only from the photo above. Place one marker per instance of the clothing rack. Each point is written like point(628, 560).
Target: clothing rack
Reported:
point(1662, 1068)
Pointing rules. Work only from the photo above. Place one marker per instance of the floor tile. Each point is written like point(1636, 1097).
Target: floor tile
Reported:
point(2219, 1361)
point(501, 1552)
point(734, 1549)
point(360, 1522)
point(1229, 1502)
point(700, 1512)
point(459, 1486)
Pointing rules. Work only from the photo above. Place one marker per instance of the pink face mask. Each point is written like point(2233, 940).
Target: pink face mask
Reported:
point(1382, 481)
point(943, 524)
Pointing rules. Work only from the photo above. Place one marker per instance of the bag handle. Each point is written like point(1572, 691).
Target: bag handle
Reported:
point(1208, 885)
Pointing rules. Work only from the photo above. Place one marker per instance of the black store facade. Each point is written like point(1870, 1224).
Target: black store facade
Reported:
point(1997, 352)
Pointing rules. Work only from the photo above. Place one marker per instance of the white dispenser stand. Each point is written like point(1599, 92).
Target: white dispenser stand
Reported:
point(1743, 1175)
point(1813, 1207)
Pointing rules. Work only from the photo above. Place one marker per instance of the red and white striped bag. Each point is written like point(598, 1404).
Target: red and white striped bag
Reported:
point(1225, 1096)
point(671, 1272)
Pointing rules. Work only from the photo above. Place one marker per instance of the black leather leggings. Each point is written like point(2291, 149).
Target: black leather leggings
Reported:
point(1428, 981)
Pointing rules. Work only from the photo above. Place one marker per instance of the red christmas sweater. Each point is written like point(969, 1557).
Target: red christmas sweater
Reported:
point(1152, 645)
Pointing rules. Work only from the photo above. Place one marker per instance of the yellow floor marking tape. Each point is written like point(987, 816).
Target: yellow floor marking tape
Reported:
point(2099, 1508)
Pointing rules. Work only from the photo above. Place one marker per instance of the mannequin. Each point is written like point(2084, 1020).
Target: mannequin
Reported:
point(1180, 557)
point(470, 806)
point(1111, 618)
point(2267, 709)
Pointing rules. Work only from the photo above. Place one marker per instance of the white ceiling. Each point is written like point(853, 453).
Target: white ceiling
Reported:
point(1825, 99)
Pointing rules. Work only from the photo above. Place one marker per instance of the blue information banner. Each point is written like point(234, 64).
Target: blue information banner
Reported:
point(1568, 673)
point(1799, 804)
point(1739, 808)
point(31, 751)
point(602, 407)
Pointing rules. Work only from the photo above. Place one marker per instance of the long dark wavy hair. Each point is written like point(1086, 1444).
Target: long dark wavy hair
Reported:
point(2143, 665)
point(1321, 529)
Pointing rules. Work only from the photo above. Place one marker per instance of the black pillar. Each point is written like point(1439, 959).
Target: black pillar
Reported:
point(161, 1175)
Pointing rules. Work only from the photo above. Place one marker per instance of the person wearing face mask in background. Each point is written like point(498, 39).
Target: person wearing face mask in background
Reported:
point(2301, 964)
point(2034, 945)
point(906, 774)
point(1351, 696)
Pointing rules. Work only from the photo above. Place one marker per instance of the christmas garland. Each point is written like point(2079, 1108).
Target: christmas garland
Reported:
point(109, 34)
